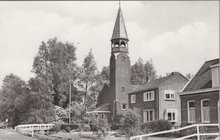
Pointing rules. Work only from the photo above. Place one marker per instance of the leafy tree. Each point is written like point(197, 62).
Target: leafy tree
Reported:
point(88, 79)
point(55, 64)
point(138, 74)
point(24, 103)
point(141, 73)
point(150, 70)
point(105, 74)
point(131, 122)
point(77, 113)
point(12, 97)
point(189, 76)
point(40, 108)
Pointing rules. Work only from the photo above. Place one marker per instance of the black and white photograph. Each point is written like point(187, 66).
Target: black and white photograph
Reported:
point(109, 70)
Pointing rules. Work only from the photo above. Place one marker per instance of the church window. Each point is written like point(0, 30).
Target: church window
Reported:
point(122, 89)
point(117, 44)
point(122, 58)
point(122, 44)
point(124, 106)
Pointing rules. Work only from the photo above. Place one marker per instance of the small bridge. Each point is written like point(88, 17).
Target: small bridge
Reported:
point(199, 132)
point(33, 128)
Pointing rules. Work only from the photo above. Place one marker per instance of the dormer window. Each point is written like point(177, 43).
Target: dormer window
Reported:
point(215, 75)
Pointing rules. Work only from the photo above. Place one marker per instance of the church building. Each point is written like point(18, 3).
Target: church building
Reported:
point(157, 99)
point(113, 98)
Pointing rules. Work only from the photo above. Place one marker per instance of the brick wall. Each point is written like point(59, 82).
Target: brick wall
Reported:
point(147, 104)
point(119, 78)
point(175, 83)
point(213, 101)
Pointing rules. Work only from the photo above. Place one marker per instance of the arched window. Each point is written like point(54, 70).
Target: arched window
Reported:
point(122, 44)
point(116, 44)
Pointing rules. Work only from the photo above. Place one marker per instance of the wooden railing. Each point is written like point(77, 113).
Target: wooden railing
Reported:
point(197, 134)
point(32, 128)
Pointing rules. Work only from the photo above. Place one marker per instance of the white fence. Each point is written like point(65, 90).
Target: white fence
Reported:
point(31, 128)
point(197, 134)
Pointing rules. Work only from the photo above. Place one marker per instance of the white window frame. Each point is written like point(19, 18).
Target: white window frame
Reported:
point(147, 94)
point(170, 92)
point(188, 111)
point(153, 115)
point(133, 98)
point(215, 75)
point(122, 106)
point(202, 111)
point(175, 113)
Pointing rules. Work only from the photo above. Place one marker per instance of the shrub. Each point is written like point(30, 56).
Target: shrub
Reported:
point(85, 127)
point(131, 123)
point(56, 128)
point(103, 126)
point(156, 126)
point(185, 132)
point(67, 129)
point(115, 125)
point(64, 127)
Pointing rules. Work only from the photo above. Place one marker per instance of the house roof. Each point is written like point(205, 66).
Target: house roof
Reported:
point(100, 87)
point(153, 84)
point(203, 78)
point(119, 31)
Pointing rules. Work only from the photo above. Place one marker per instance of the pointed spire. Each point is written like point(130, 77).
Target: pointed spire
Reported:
point(119, 31)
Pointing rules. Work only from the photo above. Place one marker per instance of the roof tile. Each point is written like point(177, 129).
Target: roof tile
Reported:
point(203, 78)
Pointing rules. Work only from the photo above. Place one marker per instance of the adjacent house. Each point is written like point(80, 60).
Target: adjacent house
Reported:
point(199, 98)
point(159, 99)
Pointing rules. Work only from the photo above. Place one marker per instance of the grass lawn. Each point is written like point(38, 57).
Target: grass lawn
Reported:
point(10, 135)
point(75, 136)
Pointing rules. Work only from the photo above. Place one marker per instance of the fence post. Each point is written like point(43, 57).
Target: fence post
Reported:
point(32, 133)
point(197, 128)
point(140, 137)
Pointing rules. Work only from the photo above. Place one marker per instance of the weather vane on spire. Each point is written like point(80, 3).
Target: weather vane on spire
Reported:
point(119, 3)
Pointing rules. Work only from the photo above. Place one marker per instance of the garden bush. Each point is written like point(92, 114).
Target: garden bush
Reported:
point(64, 127)
point(131, 123)
point(85, 127)
point(156, 126)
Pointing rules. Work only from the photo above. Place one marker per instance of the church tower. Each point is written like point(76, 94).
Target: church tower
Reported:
point(119, 67)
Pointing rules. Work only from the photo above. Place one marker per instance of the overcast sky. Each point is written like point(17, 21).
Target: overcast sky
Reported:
point(177, 35)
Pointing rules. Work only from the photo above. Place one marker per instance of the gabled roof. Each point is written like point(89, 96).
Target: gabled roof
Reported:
point(153, 84)
point(100, 87)
point(119, 31)
point(203, 78)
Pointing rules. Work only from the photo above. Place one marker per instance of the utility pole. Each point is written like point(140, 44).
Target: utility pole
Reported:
point(70, 103)
point(219, 94)
point(219, 103)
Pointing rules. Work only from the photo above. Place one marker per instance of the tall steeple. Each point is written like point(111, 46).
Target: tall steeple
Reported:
point(119, 36)
point(119, 31)
point(119, 67)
